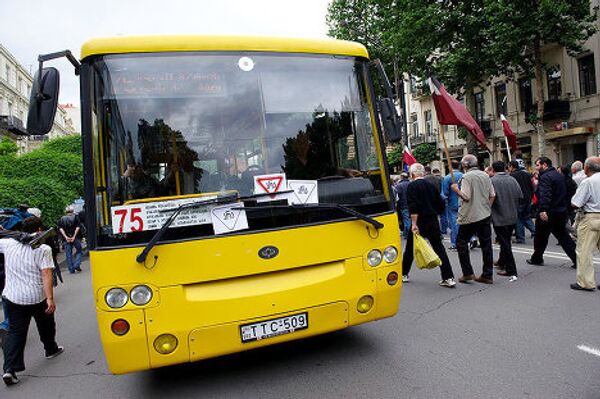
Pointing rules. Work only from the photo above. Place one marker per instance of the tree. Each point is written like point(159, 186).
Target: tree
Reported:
point(394, 157)
point(521, 29)
point(467, 42)
point(425, 153)
point(8, 147)
point(48, 178)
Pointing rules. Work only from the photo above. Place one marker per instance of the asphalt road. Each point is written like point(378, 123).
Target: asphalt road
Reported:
point(534, 338)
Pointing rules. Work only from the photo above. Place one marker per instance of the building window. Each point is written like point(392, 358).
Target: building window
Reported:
point(554, 85)
point(413, 84)
point(479, 106)
point(526, 95)
point(7, 74)
point(587, 75)
point(501, 101)
point(414, 121)
point(428, 124)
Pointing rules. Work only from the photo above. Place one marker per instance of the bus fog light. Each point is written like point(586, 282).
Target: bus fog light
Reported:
point(116, 298)
point(140, 295)
point(390, 254)
point(120, 327)
point(374, 258)
point(365, 304)
point(165, 344)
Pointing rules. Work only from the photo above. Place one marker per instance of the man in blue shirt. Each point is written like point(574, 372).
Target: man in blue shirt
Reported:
point(451, 199)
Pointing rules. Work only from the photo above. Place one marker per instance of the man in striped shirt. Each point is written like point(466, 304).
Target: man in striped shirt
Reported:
point(28, 293)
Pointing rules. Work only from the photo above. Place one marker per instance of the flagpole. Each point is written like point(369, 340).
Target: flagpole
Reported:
point(443, 134)
point(507, 149)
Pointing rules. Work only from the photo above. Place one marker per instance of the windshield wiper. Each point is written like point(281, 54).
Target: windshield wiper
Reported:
point(349, 211)
point(141, 258)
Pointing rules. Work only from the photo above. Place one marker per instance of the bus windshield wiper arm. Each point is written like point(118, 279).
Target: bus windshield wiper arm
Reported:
point(349, 211)
point(141, 258)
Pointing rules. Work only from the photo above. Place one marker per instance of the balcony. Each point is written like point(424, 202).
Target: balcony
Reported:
point(13, 125)
point(423, 138)
point(557, 110)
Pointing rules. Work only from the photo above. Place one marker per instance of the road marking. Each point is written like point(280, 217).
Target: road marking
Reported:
point(589, 349)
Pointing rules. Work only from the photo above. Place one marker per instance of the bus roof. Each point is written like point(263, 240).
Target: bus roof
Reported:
point(150, 44)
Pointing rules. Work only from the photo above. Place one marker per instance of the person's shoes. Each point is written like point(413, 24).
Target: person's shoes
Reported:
point(577, 287)
point(60, 350)
point(466, 278)
point(484, 280)
point(405, 279)
point(573, 266)
point(10, 379)
point(450, 283)
point(497, 263)
point(512, 278)
point(502, 273)
point(530, 262)
point(78, 270)
point(452, 248)
point(473, 244)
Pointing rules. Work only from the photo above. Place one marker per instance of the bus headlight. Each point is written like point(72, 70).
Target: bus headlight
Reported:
point(116, 298)
point(165, 344)
point(140, 295)
point(374, 258)
point(390, 254)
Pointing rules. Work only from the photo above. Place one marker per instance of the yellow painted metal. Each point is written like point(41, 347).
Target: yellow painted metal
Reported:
point(225, 338)
point(128, 352)
point(209, 287)
point(149, 44)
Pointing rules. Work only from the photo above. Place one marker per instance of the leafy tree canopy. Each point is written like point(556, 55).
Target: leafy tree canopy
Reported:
point(8, 147)
point(425, 153)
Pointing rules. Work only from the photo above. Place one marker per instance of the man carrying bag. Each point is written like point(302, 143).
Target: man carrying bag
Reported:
point(425, 204)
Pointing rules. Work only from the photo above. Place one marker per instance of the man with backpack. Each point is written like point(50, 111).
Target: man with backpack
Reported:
point(69, 227)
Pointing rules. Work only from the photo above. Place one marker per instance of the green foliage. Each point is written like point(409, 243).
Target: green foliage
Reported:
point(425, 153)
point(462, 133)
point(8, 147)
point(48, 178)
point(395, 156)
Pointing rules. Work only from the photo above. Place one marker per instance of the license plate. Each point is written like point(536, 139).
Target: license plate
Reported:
point(274, 327)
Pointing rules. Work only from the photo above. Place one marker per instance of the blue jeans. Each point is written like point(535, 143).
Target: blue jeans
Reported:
point(452, 215)
point(524, 215)
point(69, 255)
point(406, 222)
point(444, 219)
point(4, 324)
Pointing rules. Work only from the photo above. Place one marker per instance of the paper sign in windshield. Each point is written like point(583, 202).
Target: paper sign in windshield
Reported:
point(150, 215)
point(269, 184)
point(305, 192)
point(228, 218)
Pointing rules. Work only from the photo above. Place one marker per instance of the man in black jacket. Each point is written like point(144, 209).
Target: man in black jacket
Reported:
point(552, 218)
point(424, 205)
point(524, 211)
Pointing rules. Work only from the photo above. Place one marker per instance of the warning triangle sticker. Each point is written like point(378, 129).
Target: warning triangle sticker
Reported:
point(270, 184)
point(227, 219)
point(305, 191)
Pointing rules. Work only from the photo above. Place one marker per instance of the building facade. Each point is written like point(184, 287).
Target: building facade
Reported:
point(15, 89)
point(571, 115)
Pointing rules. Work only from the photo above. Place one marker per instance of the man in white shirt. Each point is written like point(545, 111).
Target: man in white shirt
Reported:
point(28, 293)
point(587, 199)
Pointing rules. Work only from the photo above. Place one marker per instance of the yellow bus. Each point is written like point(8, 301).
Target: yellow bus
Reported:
point(237, 192)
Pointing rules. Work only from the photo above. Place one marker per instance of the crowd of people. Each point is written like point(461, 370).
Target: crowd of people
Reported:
point(28, 274)
point(469, 201)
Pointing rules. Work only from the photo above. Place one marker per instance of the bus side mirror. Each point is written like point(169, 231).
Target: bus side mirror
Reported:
point(390, 119)
point(43, 101)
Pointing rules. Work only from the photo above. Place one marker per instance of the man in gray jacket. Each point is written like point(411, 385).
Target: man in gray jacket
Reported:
point(504, 216)
point(476, 197)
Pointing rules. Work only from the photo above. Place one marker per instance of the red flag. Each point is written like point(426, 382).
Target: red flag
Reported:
point(407, 157)
point(512, 138)
point(451, 112)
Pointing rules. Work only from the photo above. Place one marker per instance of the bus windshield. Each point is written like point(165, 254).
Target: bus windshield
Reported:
point(186, 125)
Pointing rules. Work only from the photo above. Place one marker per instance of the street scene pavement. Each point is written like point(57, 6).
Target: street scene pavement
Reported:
point(533, 338)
